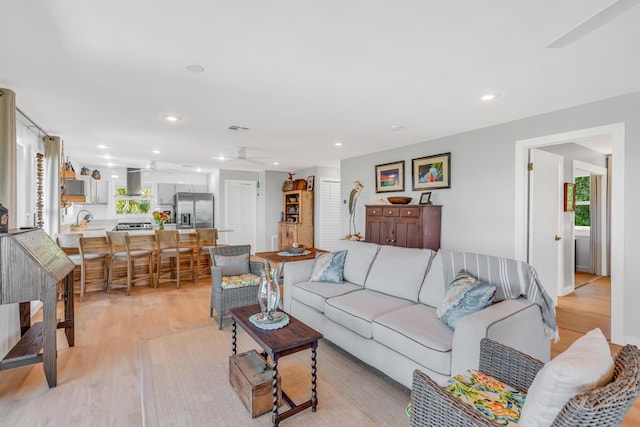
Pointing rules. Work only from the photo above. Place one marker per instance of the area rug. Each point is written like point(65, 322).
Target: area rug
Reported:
point(185, 382)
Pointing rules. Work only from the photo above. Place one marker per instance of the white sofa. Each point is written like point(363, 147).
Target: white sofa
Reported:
point(384, 312)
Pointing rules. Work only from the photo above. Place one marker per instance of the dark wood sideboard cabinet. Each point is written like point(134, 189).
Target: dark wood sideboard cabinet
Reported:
point(409, 226)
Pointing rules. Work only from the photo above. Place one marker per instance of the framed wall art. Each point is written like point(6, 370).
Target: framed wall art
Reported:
point(569, 197)
point(425, 198)
point(390, 177)
point(431, 172)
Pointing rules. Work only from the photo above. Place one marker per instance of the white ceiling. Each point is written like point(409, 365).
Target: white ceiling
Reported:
point(300, 74)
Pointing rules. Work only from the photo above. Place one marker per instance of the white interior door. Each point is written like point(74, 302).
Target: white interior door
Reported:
point(329, 224)
point(240, 213)
point(546, 194)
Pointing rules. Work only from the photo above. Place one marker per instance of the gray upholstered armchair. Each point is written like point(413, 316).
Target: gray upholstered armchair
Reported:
point(244, 290)
point(432, 405)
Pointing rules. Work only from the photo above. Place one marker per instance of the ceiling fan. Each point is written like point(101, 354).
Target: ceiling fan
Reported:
point(152, 166)
point(242, 156)
point(597, 20)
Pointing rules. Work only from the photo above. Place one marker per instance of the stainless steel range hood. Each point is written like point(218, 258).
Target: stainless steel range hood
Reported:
point(134, 185)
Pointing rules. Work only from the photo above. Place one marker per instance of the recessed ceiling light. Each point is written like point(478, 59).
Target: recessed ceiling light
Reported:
point(110, 164)
point(195, 68)
point(115, 176)
point(156, 151)
point(106, 157)
point(171, 118)
point(397, 127)
point(102, 146)
point(338, 143)
point(489, 96)
point(198, 170)
point(276, 163)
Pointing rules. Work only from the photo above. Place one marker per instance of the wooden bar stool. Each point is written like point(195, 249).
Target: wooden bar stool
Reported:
point(168, 243)
point(205, 238)
point(84, 259)
point(120, 250)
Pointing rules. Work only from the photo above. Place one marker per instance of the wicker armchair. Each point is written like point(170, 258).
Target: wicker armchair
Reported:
point(224, 299)
point(431, 405)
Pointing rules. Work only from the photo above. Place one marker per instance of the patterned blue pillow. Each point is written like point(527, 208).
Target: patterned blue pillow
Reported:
point(466, 295)
point(328, 267)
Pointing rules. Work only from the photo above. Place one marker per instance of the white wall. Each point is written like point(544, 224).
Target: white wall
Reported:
point(478, 209)
point(272, 207)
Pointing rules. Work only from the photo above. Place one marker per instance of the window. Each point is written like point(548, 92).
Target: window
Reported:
point(583, 194)
point(133, 206)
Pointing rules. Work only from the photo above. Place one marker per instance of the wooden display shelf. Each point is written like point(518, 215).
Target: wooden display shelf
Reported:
point(77, 199)
point(67, 174)
point(28, 350)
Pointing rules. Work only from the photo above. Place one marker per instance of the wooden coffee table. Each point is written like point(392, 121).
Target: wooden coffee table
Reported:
point(294, 337)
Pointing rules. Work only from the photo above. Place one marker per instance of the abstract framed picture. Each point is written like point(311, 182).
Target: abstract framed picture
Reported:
point(390, 177)
point(569, 197)
point(431, 172)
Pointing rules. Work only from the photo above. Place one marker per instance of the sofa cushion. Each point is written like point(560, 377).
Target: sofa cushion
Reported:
point(417, 333)
point(434, 287)
point(399, 271)
point(314, 294)
point(585, 365)
point(328, 267)
point(359, 257)
point(356, 310)
point(466, 295)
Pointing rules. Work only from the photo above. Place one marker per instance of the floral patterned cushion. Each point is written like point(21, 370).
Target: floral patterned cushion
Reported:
point(493, 398)
point(240, 281)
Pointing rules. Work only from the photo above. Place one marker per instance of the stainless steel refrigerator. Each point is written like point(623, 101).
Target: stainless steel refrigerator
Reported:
point(193, 210)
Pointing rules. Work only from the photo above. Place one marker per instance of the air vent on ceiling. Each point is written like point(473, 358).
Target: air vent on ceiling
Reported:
point(238, 128)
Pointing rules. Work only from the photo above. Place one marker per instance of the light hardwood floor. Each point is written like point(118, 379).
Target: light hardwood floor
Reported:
point(587, 308)
point(99, 379)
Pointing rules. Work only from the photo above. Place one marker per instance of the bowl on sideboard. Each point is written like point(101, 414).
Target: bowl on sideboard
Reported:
point(399, 200)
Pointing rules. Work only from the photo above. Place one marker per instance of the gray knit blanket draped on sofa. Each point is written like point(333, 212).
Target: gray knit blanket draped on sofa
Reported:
point(512, 279)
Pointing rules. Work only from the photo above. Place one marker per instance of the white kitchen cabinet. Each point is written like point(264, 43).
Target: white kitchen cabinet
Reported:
point(199, 188)
point(183, 188)
point(166, 193)
point(98, 192)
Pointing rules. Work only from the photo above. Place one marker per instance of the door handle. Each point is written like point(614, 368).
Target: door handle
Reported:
point(558, 237)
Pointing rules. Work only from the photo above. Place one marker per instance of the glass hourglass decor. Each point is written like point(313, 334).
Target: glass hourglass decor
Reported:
point(268, 296)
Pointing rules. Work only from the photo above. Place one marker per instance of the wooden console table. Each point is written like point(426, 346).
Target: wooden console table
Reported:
point(31, 266)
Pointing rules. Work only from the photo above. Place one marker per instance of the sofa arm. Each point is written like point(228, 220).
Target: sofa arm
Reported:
point(294, 272)
point(516, 323)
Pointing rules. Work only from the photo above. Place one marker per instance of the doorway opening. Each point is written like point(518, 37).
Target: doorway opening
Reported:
point(616, 135)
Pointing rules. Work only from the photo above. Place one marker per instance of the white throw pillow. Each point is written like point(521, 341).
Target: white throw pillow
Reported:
point(586, 364)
